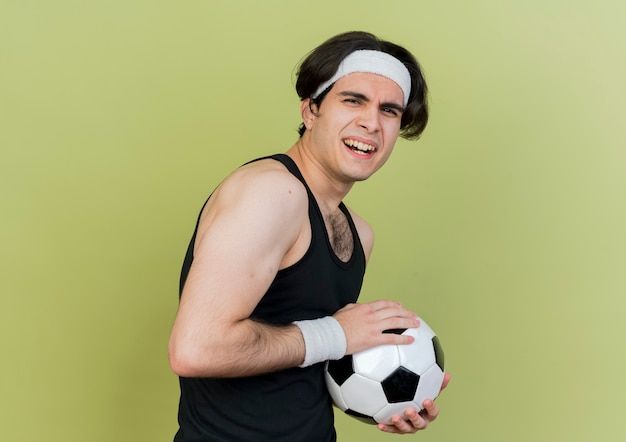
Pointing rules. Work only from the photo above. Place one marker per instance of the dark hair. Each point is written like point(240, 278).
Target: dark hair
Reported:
point(322, 63)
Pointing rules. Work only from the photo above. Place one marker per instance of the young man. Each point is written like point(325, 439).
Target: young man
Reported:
point(273, 271)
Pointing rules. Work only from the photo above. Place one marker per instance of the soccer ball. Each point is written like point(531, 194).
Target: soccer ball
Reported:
point(381, 382)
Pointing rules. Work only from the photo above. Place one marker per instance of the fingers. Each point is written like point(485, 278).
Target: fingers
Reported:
point(430, 411)
point(390, 307)
point(446, 380)
point(412, 421)
point(391, 315)
point(365, 324)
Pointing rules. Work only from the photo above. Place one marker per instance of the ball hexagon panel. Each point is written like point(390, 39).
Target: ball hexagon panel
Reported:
point(425, 329)
point(429, 385)
point(388, 411)
point(363, 395)
point(418, 356)
point(376, 363)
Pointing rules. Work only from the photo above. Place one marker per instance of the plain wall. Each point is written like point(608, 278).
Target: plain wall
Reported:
point(503, 226)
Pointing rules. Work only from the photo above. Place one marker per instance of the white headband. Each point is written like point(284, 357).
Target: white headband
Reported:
point(372, 62)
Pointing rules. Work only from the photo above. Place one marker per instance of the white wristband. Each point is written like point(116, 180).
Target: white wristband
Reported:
point(324, 339)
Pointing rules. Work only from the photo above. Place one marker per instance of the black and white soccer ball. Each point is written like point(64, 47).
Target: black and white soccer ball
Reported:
point(381, 382)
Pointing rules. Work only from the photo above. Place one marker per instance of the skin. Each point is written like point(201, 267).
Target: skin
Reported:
point(237, 255)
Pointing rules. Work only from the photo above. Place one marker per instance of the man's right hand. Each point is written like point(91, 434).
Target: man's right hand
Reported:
point(364, 324)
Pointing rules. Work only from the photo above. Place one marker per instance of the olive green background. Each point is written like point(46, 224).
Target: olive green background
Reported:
point(503, 226)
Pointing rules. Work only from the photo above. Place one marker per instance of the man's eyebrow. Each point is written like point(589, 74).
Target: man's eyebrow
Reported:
point(354, 94)
point(360, 96)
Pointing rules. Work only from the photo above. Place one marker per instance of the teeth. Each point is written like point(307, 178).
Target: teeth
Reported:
point(360, 146)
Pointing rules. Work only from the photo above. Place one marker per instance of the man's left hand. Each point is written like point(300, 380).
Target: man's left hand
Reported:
point(413, 421)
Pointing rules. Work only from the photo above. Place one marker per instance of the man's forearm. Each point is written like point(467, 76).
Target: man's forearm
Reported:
point(245, 348)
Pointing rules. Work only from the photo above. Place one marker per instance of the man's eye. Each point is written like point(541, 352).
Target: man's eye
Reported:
point(390, 111)
point(351, 100)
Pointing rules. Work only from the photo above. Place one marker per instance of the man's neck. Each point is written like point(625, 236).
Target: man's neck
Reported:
point(328, 192)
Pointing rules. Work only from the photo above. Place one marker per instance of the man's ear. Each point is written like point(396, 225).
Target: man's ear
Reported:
point(306, 112)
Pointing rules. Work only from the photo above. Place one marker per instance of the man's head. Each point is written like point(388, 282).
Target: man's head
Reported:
point(364, 52)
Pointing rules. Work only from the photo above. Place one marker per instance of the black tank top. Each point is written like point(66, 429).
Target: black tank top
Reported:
point(289, 405)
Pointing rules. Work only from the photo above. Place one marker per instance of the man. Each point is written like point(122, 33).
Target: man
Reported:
point(273, 271)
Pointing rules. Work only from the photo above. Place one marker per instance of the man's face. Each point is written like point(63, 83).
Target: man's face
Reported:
point(357, 125)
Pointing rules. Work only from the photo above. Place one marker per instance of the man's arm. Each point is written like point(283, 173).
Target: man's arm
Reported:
point(248, 228)
point(256, 223)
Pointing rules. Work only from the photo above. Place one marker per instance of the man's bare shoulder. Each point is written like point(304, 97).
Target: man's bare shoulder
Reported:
point(267, 179)
point(264, 188)
point(268, 172)
point(260, 208)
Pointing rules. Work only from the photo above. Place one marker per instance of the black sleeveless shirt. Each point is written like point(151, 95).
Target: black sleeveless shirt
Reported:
point(289, 405)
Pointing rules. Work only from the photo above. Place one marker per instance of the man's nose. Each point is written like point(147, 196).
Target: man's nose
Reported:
point(369, 119)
